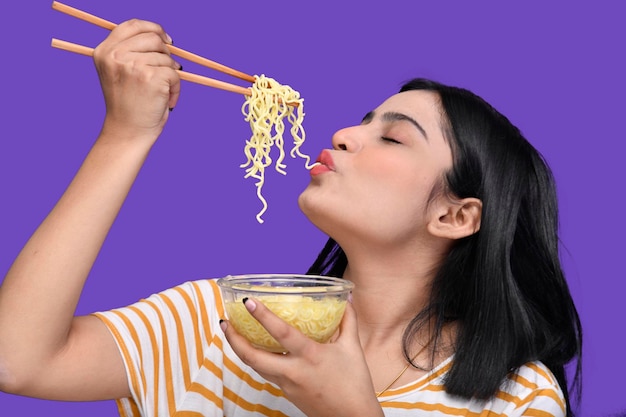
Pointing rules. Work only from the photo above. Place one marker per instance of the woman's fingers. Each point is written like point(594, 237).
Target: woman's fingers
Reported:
point(267, 364)
point(272, 366)
point(289, 337)
point(145, 48)
point(144, 42)
point(135, 27)
point(138, 78)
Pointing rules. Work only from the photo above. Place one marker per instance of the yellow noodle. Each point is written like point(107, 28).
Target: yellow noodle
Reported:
point(316, 318)
point(265, 109)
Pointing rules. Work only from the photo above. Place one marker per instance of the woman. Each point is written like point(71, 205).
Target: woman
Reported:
point(434, 202)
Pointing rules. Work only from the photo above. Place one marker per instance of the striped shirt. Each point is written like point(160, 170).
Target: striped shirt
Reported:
point(179, 364)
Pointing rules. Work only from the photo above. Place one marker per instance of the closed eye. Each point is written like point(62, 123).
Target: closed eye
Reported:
point(390, 140)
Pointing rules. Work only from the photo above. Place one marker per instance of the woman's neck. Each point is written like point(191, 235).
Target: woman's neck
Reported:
point(391, 287)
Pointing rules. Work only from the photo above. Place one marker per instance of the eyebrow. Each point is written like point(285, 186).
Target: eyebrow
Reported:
point(393, 116)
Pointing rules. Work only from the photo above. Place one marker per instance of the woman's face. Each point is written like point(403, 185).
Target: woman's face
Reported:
point(375, 183)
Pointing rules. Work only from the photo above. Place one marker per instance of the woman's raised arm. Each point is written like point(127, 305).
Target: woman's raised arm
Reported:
point(44, 350)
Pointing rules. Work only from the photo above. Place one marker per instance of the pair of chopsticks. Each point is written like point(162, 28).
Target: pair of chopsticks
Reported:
point(187, 76)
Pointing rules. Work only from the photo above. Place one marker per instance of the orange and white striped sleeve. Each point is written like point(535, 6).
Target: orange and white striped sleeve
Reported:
point(162, 340)
point(544, 397)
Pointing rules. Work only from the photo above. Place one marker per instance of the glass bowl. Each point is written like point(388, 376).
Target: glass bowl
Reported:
point(310, 303)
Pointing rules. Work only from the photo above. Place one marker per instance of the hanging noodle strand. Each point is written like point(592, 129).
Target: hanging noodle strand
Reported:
point(266, 109)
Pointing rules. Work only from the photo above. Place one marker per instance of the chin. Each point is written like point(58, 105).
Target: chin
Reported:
point(313, 208)
point(308, 205)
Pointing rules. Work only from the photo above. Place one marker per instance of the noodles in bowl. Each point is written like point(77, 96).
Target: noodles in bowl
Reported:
point(312, 304)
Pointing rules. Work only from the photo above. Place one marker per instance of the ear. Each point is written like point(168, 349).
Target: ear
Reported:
point(456, 219)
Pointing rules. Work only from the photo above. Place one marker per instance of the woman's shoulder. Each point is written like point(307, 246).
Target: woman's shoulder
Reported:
point(203, 285)
point(534, 375)
point(534, 387)
point(205, 288)
point(191, 303)
point(529, 390)
point(205, 294)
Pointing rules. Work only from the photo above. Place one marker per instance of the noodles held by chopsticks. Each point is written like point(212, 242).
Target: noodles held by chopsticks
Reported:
point(266, 109)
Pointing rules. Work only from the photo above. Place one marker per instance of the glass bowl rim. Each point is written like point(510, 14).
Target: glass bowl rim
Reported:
point(335, 285)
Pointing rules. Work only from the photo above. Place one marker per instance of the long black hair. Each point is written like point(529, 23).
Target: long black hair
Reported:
point(503, 285)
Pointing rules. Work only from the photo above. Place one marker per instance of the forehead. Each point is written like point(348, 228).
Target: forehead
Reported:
point(421, 105)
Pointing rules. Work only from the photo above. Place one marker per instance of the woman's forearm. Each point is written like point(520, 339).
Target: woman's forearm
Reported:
point(40, 292)
point(44, 350)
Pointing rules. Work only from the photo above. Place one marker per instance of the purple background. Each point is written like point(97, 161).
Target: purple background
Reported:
point(555, 70)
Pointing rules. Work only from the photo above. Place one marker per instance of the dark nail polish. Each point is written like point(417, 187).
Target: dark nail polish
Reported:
point(221, 321)
point(244, 300)
point(171, 108)
point(181, 68)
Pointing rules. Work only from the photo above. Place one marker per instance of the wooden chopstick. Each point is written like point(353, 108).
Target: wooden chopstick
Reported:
point(187, 76)
point(87, 17)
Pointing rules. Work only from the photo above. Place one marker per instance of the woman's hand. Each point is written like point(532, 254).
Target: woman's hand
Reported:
point(329, 379)
point(138, 78)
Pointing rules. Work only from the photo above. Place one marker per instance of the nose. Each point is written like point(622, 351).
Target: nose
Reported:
point(347, 139)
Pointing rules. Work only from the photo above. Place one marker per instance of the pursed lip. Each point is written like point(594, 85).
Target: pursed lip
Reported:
point(325, 158)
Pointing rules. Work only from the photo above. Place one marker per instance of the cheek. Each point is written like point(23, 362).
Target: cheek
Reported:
point(391, 208)
point(399, 191)
point(383, 200)
point(394, 184)
point(396, 206)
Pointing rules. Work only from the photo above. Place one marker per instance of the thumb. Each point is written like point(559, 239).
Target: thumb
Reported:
point(348, 327)
point(174, 82)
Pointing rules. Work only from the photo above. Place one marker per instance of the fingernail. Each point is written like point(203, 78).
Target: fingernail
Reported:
point(171, 109)
point(350, 297)
point(181, 67)
point(169, 39)
point(223, 325)
point(250, 305)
